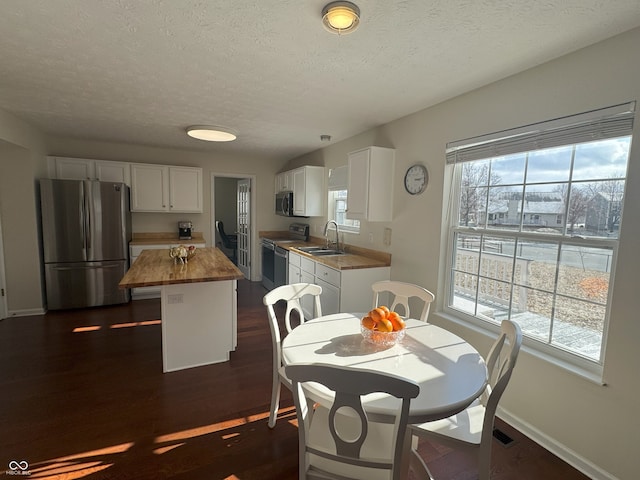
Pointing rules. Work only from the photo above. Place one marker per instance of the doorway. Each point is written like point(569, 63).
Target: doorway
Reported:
point(232, 200)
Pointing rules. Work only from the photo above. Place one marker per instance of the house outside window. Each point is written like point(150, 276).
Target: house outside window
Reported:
point(548, 261)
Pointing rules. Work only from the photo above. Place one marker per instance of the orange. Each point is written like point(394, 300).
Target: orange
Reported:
point(386, 310)
point(396, 321)
point(369, 323)
point(385, 325)
point(377, 314)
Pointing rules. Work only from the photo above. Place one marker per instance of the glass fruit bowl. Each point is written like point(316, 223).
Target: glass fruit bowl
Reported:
point(385, 339)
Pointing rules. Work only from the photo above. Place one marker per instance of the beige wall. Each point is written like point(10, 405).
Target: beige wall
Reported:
point(226, 204)
point(21, 161)
point(592, 425)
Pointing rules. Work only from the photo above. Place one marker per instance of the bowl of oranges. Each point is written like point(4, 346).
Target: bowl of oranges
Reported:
point(382, 327)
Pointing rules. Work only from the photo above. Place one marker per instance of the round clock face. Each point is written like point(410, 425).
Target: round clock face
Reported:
point(416, 179)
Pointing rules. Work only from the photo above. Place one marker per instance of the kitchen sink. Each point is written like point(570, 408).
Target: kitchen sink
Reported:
point(320, 251)
point(324, 251)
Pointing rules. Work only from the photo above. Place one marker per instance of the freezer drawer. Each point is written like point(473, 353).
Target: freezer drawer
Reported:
point(86, 284)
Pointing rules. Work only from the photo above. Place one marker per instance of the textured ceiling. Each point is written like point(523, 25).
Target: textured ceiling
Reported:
point(141, 71)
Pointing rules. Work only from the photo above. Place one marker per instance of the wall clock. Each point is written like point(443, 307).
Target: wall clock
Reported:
point(416, 179)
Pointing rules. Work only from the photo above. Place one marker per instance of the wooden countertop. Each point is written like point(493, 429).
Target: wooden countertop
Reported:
point(161, 238)
point(155, 267)
point(355, 257)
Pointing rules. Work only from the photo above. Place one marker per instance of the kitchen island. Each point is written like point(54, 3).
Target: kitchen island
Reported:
point(198, 302)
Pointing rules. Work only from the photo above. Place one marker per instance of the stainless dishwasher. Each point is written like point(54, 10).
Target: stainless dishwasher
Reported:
point(275, 259)
point(280, 266)
point(268, 263)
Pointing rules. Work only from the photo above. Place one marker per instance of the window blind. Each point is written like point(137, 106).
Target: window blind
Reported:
point(338, 178)
point(610, 122)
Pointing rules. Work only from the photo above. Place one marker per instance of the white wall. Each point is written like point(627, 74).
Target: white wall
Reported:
point(594, 426)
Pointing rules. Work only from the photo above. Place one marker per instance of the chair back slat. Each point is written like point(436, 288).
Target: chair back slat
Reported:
point(292, 295)
point(402, 293)
point(349, 385)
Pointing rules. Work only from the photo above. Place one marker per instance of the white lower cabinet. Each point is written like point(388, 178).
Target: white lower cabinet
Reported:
point(342, 290)
point(330, 298)
point(294, 268)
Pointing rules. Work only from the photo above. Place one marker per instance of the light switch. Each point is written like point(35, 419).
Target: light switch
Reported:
point(386, 239)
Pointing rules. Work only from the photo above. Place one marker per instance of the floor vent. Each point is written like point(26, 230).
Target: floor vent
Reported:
point(502, 437)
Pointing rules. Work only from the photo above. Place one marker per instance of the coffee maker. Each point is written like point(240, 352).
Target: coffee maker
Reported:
point(184, 230)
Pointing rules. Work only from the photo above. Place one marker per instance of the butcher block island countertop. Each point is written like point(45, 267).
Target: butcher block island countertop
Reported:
point(155, 267)
point(198, 304)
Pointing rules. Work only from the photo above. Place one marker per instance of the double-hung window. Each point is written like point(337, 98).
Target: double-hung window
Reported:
point(337, 202)
point(534, 218)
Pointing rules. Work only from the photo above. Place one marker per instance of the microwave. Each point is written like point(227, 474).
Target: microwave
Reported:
point(284, 204)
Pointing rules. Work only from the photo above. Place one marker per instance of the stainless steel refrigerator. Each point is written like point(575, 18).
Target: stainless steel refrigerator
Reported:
point(86, 229)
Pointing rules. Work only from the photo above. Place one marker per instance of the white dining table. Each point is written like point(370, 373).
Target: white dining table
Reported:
point(451, 373)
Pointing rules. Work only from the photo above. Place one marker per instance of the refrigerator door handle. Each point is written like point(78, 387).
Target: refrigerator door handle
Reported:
point(83, 220)
point(86, 215)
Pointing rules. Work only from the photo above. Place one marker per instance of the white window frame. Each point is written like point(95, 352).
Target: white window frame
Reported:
point(338, 183)
point(576, 129)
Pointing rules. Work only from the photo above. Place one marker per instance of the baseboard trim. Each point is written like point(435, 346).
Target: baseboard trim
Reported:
point(558, 449)
point(27, 312)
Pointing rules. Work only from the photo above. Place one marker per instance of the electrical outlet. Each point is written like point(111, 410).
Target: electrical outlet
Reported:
point(176, 298)
point(387, 237)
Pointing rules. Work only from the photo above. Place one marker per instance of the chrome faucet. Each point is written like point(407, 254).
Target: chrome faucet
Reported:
point(326, 231)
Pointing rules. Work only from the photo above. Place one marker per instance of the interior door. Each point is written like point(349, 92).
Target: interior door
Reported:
point(243, 226)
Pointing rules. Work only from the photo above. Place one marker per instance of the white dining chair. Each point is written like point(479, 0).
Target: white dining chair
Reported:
point(292, 295)
point(340, 442)
point(472, 429)
point(402, 292)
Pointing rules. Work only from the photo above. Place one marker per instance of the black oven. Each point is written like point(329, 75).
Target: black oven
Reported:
point(284, 204)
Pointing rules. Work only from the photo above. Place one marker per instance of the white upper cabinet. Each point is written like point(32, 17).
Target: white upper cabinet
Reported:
point(284, 182)
point(159, 188)
point(74, 168)
point(154, 188)
point(370, 185)
point(308, 191)
point(87, 169)
point(149, 188)
point(185, 189)
point(113, 172)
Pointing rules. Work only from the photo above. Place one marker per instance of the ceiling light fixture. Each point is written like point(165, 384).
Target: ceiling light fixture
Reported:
point(341, 17)
point(210, 133)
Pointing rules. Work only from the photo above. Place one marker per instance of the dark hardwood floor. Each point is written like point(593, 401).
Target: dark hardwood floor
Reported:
point(82, 395)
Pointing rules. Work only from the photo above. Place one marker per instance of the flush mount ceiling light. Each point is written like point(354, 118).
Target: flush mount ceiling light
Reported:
point(210, 133)
point(341, 17)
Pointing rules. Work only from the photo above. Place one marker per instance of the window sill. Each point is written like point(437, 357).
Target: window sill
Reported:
point(584, 369)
